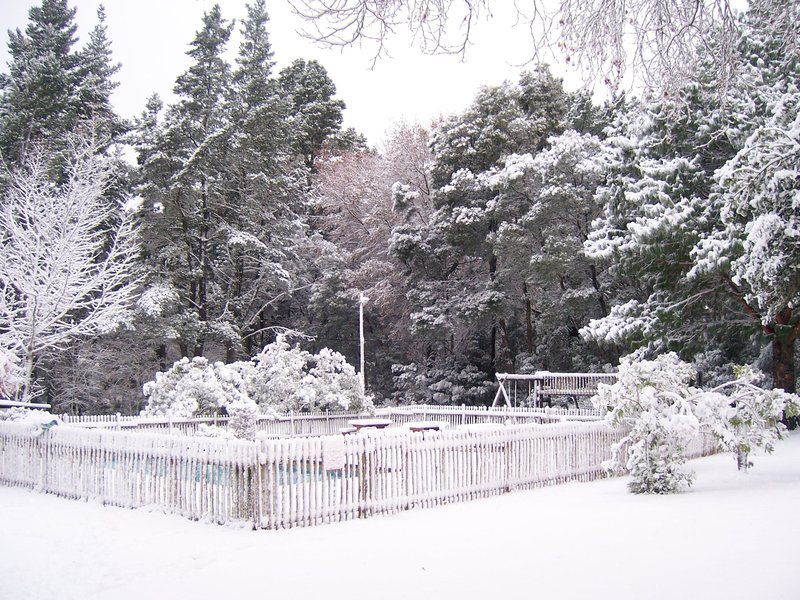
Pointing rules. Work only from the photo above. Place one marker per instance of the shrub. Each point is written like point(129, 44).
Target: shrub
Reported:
point(654, 400)
point(192, 387)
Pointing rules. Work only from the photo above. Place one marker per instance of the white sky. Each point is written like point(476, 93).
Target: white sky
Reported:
point(150, 38)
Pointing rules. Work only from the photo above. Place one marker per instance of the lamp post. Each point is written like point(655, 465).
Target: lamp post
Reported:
point(362, 300)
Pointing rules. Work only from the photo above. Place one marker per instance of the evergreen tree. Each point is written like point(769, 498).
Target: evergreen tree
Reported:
point(472, 282)
point(182, 181)
point(697, 210)
point(223, 193)
point(97, 69)
point(317, 114)
point(39, 100)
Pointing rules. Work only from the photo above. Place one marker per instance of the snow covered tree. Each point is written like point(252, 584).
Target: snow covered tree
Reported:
point(698, 211)
point(502, 121)
point(243, 419)
point(38, 100)
point(653, 399)
point(97, 70)
point(223, 191)
point(656, 43)
point(317, 115)
point(355, 195)
point(743, 416)
point(754, 247)
point(284, 377)
point(51, 89)
point(497, 276)
point(69, 263)
point(9, 374)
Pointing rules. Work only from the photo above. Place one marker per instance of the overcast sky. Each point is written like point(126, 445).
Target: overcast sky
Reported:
point(150, 38)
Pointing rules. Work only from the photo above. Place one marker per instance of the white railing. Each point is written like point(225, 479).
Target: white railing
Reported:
point(284, 425)
point(460, 415)
point(518, 389)
point(322, 423)
point(279, 483)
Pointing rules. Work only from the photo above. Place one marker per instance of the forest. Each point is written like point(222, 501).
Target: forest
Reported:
point(536, 230)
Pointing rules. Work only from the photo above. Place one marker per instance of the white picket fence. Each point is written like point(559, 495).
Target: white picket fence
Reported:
point(279, 483)
point(323, 423)
point(462, 415)
point(289, 424)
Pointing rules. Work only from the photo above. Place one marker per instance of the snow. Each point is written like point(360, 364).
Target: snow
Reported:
point(731, 537)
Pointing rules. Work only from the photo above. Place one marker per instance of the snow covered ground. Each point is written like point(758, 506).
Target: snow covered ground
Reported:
point(732, 536)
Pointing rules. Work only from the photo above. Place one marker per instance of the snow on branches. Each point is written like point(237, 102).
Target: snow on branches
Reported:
point(653, 399)
point(665, 414)
point(743, 416)
point(285, 377)
point(282, 377)
point(192, 387)
point(68, 264)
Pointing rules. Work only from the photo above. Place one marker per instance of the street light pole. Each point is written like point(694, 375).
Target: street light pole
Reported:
point(362, 300)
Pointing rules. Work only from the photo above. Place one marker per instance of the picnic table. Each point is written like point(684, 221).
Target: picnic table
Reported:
point(360, 424)
point(427, 425)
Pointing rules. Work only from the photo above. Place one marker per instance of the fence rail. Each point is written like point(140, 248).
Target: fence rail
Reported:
point(279, 483)
point(290, 424)
point(323, 423)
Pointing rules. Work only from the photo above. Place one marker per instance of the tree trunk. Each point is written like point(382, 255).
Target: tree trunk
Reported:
point(493, 333)
point(528, 319)
point(783, 374)
point(741, 460)
point(161, 353)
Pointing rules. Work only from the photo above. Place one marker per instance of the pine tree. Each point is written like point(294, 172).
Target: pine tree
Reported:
point(98, 69)
point(184, 193)
point(317, 114)
point(39, 100)
point(698, 211)
point(223, 191)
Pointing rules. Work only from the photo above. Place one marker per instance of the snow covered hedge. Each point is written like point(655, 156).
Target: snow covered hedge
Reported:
point(281, 378)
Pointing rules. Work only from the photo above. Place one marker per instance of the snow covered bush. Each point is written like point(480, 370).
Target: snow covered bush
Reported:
point(43, 420)
point(192, 386)
point(277, 377)
point(243, 418)
point(213, 431)
point(335, 382)
point(654, 400)
point(287, 378)
point(282, 377)
point(421, 383)
point(743, 416)
point(9, 374)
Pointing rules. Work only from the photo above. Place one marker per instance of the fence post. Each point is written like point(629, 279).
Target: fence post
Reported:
point(463, 414)
point(291, 420)
point(119, 419)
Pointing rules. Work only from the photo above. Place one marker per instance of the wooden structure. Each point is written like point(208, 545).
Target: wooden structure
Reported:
point(540, 388)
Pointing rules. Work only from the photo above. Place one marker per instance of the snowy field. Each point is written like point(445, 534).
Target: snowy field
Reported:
point(732, 536)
